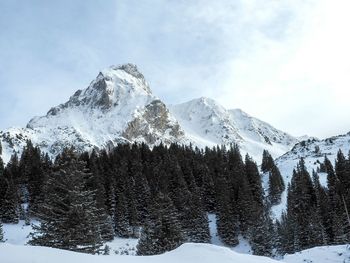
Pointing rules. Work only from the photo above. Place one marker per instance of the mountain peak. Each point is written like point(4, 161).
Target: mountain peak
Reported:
point(130, 69)
point(112, 86)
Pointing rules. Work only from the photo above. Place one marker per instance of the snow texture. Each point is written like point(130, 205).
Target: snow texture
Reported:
point(187, 253)
point(203, 253)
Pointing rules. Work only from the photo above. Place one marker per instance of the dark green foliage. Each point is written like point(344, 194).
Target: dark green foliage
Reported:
point(9, 206)
point(2, 239)
point(276, 183)
point(276, 186)
point(303, 227)
point(32, 172)
point(267, 162)
point(262, 235)
point(69, 215)
point(162, 231)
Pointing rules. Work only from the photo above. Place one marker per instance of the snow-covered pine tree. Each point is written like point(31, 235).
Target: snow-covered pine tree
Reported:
point(300, 206)
point(69, 216)
point(226, 213)
point(10, 209)
point(262, 235)
point(32, 176)
point(2, 239)
point(276, 183)
point(254, 180)
point(267, 162)
point(342, 171)
point(162, 231)
point(276, 186)
point(197, 225)
point(320, 216)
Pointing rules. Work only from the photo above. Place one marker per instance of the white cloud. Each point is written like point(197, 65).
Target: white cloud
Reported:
point(286, 62)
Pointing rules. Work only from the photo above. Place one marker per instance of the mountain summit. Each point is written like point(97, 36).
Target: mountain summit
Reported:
point(119, 106)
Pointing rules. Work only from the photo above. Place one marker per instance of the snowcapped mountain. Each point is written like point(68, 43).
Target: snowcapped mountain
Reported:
point(313, 151)
point(208, 124)
point(119, 106)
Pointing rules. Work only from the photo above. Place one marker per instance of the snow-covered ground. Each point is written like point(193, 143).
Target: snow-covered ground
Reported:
point(191, 253)
point(18, 234)
point(15, 250)
point(187, 253)
point(326, 254)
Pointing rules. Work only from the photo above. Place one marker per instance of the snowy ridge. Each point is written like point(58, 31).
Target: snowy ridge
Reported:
point(208, 124)
point(313, 151)
point(119, 106)
point(325, 254)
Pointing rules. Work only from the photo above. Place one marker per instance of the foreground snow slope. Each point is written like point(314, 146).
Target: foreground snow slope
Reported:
point(119, 106)
point(187, 253)
point(326, 254)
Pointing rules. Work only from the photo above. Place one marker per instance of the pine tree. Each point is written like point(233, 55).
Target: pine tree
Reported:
point(267, 162)
point(196, 220)
point(342, 171)
point(301, 204)
point(10, 208)
point(227, 218)
point(320, 216)
point(122, 225)
point(2, 239)
point(276, 186)
point(32, 173)
point(162, 231)
point(276, 183)
point(69, 216)
point(262, 235)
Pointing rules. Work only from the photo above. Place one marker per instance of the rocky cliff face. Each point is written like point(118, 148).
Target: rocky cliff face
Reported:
point(119, 106)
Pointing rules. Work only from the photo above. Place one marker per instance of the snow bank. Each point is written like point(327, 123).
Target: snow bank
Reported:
point(326, 254)
point(203, 253)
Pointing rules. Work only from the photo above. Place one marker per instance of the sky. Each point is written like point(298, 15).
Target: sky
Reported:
point(284, 62)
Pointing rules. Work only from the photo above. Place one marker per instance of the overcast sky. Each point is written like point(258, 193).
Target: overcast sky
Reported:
point(285, 62)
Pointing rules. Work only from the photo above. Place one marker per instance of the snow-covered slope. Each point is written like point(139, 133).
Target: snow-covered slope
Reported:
point(208, 124)
point(203, 253)
point(119, 106)
point(326, 254)
point(313, 152)
point(187, 253)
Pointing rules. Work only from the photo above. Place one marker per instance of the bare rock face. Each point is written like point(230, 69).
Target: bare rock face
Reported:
point(153, 124)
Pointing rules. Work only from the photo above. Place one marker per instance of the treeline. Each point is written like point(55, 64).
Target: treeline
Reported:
point(163, 196)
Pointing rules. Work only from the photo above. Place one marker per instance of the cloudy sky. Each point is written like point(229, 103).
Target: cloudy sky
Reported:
point(285, 62)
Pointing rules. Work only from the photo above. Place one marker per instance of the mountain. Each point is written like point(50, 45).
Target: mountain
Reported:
point(119, 106)
point(313, 151)
point(208, 124)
